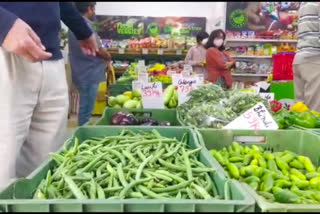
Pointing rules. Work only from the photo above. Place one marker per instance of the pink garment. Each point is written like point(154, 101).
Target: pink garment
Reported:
point(197, 54)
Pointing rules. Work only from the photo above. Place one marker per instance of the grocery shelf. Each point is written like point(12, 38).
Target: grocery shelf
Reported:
point(253, 57)
point(150, 51)
point(262, 40)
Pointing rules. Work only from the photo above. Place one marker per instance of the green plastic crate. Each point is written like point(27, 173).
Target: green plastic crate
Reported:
point(314, 131)
point(22, 190)
point(299, 141)
point(160, 115)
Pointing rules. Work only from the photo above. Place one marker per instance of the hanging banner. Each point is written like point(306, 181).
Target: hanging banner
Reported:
point(129, 27)
point(264, 19)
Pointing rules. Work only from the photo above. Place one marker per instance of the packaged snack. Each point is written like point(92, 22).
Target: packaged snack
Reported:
point(251, 34)
point(244, 34)
point(251, 50)
point(237, 35)
point(274, 50)
point(229, 34)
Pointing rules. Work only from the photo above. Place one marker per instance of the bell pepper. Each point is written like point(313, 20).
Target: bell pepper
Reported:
point(299, 107)
point(284, 118)
point(275, 106)
point(305, 120)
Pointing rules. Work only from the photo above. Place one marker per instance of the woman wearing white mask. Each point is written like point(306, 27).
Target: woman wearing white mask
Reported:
point(196, 56)
point(218, 61)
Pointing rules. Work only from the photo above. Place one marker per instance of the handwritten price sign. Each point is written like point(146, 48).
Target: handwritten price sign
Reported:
point(152, 96)
point(256, 118)
point(185, 86)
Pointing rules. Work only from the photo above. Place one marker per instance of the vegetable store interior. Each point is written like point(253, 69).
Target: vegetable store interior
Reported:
point(160, 107)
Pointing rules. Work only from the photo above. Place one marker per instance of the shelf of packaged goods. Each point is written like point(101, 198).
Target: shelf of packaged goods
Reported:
point(150, 51)
point(253, 57)
point(263, 40)
point(249, 75)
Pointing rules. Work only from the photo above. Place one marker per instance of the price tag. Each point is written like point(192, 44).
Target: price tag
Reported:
point(160, 51)
point(170, 73)
point(142, 63)
point(145, 51)
point(267, 96)
point(185, 86)
point(201, 78)
point(143, 77)
point(179, 52)
point(121, 50)
point(152, 96)
point(136, 85)
point(256, 118)
point(187, 68)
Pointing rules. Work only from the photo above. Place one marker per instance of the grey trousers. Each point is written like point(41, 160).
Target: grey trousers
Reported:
point(33, 113)
point(307, 84)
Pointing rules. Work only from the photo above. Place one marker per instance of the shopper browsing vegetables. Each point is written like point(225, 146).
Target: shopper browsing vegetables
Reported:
point(197, 55)
point(218, 61)
point(87, 71)
point(33, 88)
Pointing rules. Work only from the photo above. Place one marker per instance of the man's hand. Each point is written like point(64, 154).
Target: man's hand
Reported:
point(89, 46)
point(104, 54)
point(23, 41)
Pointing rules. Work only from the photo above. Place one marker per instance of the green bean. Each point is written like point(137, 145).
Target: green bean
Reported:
point(149, 193)
point(172, 188)
point(201, 191)
point(190, 193)
point(146, 142)
point(142, 165)
point(73, 187)
point(192, 152)
point(130, 157)
point(111, 170)
point(136, 195)
point(187, 164)
point(132, 184)
point(173, 151)
point(93, 189)
point(161, 176)
point(112, 189)
point(115, 182)
point(174, 177)
point(140, 154)
point(100, 192)
point(121, 175)
point(157, 155)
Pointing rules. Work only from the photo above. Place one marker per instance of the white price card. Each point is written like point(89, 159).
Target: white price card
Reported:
point(136, 85)
point(121, 50)
point(267, 96)
point(143, 77)
point(152, 96)
point(170, 73)
point(145, 51)
point(142, 63)
point(185, 86)
point(201, 78)
point(179, 52)
point(256, 118)
point(160, 51)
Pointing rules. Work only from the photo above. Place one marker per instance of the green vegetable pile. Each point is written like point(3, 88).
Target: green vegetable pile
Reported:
point(141, 165)
point(283, 177)
point(211, 107)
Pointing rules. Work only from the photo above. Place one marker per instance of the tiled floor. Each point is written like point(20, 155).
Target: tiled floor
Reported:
point(73, 124)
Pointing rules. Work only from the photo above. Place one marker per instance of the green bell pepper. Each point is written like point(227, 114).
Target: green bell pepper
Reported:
point(305, 119)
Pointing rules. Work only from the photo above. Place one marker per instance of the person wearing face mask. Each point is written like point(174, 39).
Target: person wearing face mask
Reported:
point(219, 63)
point(196, 56)
point(87, 71)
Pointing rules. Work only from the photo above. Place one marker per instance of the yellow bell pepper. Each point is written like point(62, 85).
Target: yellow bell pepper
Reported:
point(315, 113)
point(299, 107)
point(128, 94)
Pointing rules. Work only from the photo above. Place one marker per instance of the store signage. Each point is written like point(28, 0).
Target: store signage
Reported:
point(136, 85)
point(256, 118)
point(160, 51)
point(121, 51)
point(267, 96)
point(185, 86)
point(152, 96)
point(145, 51)
point(143, 77)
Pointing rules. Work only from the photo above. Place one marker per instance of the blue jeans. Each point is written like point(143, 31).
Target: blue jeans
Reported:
point(88, 96)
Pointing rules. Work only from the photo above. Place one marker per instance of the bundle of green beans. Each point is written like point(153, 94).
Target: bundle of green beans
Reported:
point(131, 165)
